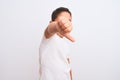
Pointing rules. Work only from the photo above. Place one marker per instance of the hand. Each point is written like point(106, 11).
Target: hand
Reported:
point(64, 28)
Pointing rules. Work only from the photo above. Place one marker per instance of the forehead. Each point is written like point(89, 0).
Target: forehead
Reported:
point(65, 14)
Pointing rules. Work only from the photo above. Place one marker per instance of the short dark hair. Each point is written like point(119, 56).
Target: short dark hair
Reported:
point(57, 11)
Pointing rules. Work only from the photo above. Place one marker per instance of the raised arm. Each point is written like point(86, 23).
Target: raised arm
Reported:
point(51, 29)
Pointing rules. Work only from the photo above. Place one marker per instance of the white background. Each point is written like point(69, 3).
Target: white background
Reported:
point(95, 54)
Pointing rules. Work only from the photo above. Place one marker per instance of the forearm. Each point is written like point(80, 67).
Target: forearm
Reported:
point(71, 74)
point(68, 59)
point(50, 30)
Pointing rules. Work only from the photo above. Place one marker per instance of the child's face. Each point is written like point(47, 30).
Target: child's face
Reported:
point(64, 15)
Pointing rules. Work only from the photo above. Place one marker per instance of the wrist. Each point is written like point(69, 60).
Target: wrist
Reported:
point(56, 26)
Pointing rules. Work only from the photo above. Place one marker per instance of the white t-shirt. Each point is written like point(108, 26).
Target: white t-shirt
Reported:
point(53, 59)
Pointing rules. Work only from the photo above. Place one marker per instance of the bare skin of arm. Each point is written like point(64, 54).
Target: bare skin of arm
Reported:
point(71, 74)
point(51, 29)
point(71, 69)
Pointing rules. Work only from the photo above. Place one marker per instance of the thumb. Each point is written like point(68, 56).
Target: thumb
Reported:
point(68, 36)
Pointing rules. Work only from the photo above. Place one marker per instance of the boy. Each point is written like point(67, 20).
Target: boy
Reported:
point(54, 52)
